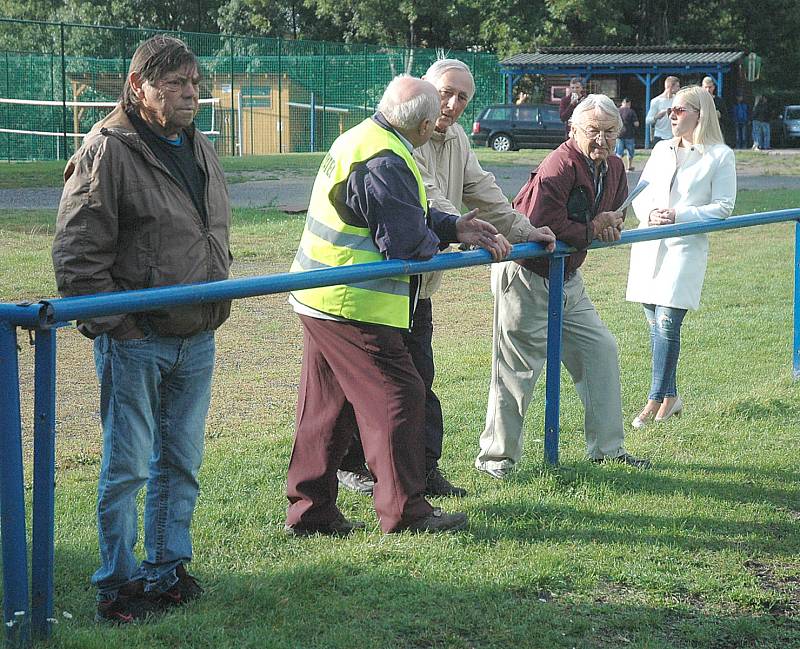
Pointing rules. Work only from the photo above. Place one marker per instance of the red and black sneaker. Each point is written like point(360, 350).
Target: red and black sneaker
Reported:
point(130, 605)
point(186, 589)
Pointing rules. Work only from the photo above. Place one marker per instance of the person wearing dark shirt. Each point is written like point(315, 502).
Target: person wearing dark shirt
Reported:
point(368, 204)
point(145, 205)
point(741, 117)
point(723, 114)
point(568, 102)
point(626, 142)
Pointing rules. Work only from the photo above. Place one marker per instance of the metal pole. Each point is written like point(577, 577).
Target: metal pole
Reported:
point(796, 350)
point(44, 440)
point(239, 121)
point(324, 94)
point(280, 96)
point(63, 91)
point(552, 400)
point(12, 490)
point(313, 120)
point(233, 106)
point(647, 100)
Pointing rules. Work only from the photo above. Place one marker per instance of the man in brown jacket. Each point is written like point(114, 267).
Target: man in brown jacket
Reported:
point(453, 179)
point(145, 204)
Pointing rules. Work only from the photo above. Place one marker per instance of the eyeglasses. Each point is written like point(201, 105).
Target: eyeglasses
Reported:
point(607, 134)
point(680, 110)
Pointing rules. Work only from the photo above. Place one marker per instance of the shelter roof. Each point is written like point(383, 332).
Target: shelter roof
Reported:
point(628, 56)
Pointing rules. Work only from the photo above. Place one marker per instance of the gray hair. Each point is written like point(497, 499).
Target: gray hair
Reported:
point(152, 60)
point(438, 68)
point(411, 113)
point(596, 105)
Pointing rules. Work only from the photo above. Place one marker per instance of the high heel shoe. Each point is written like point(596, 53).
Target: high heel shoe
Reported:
point(643, 419)
point(676, 409)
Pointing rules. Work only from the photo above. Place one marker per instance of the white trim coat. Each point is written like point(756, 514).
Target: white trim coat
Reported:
point(670, 272)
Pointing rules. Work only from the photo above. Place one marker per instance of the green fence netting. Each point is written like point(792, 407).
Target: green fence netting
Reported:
point(261, 95)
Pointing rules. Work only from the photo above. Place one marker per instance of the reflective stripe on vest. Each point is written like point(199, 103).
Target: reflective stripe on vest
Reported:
point(329, 242)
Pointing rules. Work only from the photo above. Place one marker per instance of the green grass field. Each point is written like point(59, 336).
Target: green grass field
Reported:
point(702, 551)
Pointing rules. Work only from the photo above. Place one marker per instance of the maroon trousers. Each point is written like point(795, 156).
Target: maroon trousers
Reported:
point(362, 370)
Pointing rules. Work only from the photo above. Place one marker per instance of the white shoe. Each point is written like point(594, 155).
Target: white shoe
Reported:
point(498, 470)
point(676, 409)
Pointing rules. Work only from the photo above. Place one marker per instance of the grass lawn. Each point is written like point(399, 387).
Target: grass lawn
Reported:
point(702, 551)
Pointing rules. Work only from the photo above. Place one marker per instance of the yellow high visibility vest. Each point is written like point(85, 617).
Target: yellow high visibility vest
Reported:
point(328, 241)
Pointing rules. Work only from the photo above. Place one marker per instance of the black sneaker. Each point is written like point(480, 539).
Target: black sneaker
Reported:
point(131, 604)
point(186, 589)
point(361, 481)
point(626, 458)
point(338, 527)
point(437, 484)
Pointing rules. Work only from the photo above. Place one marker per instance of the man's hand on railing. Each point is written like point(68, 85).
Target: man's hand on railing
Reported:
point(475, 232)
point(608, 226)
point(545, 236)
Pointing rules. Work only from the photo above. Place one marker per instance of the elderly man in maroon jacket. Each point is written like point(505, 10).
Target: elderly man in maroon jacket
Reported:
point(576, 192)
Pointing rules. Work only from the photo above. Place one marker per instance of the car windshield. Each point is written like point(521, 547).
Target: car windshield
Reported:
point(793, 112)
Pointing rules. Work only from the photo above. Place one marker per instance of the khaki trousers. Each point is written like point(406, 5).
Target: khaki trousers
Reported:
point(519, 351)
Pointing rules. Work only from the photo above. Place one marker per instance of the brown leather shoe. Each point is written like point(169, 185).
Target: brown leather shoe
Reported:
point(338, 527)
point(439, 521)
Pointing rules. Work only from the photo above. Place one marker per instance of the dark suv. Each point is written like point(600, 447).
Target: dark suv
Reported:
point(506, 127)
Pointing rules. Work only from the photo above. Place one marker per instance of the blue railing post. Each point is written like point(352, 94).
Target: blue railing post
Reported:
point(552, 399)
point(44, 439)
point(796, 347)
point(12, 490)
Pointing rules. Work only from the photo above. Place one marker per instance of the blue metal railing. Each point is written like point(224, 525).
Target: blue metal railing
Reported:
point(43, 317)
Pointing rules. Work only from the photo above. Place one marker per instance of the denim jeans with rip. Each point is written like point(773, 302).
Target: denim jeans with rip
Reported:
point(665, 340)
point(154, 398)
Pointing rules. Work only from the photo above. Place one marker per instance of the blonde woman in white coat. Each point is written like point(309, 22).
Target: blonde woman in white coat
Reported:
point(692, 178)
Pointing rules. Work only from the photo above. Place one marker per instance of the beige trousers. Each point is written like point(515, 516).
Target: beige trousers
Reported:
point(519, 351)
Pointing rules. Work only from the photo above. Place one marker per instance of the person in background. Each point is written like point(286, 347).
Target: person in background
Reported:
point(523, 98)
point(761, 129)
point(145, 204)
point(626, 142)
point(692, 178)
point(568, 102)
point(576, 191)
point(723, 113)
point(658, 113)
point(741, 118)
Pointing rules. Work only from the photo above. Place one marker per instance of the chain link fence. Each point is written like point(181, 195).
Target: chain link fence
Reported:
point(259, 95)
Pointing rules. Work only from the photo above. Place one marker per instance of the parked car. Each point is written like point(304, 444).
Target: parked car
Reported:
point(790, 125)
point(507, 127)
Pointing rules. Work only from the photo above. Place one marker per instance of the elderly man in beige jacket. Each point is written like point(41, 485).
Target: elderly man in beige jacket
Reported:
point(453, 179)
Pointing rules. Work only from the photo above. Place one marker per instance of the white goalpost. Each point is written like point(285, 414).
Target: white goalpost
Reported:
point(213, 101)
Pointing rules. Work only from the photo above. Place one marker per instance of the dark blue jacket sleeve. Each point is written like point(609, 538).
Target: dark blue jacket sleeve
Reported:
point(383, 192)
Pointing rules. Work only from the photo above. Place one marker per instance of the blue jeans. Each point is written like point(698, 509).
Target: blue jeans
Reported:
point(665, 341)
point(154, 398)
point(623, 145)
point(741, 135)
point(761, 134)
